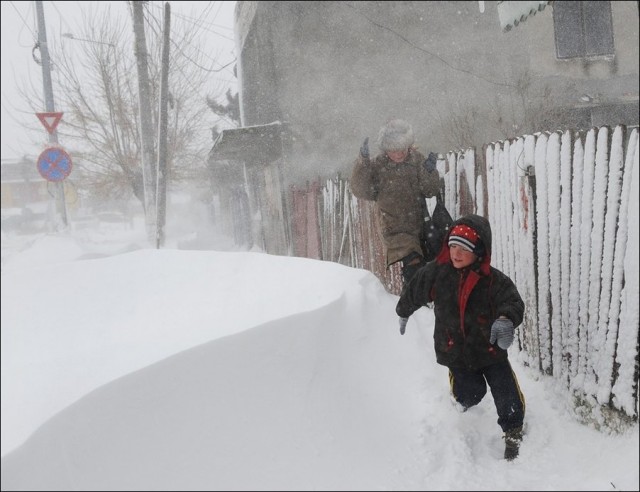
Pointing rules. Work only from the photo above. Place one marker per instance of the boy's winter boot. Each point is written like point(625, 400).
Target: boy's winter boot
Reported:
point(512, 440)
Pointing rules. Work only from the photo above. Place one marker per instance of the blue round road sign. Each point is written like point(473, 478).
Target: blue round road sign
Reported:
point(54, 164)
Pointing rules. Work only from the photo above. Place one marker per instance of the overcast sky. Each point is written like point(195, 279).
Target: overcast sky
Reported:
point(19, 32)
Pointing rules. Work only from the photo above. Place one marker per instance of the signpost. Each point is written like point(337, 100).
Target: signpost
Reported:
point(50, 120)
point(59, 165)
point(54, 164)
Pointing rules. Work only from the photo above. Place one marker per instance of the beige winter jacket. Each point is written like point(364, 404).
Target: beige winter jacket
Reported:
point(397, 190)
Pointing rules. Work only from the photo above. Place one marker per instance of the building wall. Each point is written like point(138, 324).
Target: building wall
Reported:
point(22, 185)
point(336, 71)
point(610, 84)
point(538, 30)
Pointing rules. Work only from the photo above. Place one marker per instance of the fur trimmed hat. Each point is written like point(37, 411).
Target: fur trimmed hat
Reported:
point(467, 238)
point(395, 136)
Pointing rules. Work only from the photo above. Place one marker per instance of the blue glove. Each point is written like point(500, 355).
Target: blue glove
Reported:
point(364, 150)
point(430, 162)
point(502, 331)
point(403, 324)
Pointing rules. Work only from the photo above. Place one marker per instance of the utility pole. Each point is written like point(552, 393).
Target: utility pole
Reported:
point(50, 107)
point(146, 124)
point(162, 130)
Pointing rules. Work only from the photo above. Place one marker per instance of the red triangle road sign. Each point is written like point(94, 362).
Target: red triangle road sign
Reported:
point(50, 120)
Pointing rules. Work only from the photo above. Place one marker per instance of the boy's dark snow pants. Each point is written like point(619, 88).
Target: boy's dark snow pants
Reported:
point(468, 387)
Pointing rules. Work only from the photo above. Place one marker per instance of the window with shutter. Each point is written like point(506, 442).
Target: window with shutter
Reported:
point(583, 29)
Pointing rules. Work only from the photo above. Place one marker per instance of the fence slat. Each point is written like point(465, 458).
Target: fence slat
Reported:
point(625, 388)
point(573, 298)
point(565, 250)
point(595, 269)
point(542, 221)
point(608, 326)
point(530, 328)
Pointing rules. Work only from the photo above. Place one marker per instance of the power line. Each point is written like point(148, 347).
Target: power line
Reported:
point(469, 72)
point(200, 23)
point(61, 18)
point(210, 70)
point(179, 68)
point(35, 36)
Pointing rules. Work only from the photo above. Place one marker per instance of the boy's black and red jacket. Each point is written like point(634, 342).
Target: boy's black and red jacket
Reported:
point(466, 302)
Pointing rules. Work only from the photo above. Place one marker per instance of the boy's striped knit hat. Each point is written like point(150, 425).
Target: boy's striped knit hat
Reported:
point(467, 238)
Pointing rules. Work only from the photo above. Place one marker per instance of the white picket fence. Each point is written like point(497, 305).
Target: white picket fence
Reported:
point(563, 208)
point(564, 214)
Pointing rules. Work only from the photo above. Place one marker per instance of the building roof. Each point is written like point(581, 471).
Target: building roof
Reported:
point(250, 144)
point(513, 13)
point(19, 170)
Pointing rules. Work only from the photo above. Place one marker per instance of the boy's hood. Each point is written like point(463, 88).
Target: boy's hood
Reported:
point(483, 228)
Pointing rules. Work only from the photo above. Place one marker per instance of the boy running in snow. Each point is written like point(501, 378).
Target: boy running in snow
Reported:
point(476, 308)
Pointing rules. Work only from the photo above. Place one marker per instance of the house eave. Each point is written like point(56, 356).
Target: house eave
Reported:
point(513, 13)
point(251, 144)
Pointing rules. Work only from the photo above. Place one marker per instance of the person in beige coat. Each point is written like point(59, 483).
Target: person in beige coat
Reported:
point(397, 179)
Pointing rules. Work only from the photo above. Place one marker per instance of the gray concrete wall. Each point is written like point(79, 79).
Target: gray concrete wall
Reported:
point(336, 71)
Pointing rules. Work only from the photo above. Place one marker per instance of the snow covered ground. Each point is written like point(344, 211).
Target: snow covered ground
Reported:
point(130, 368)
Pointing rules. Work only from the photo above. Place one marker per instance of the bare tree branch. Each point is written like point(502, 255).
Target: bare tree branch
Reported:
point(95, 86)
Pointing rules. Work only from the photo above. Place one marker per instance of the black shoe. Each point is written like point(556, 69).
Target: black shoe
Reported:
point(512, 440)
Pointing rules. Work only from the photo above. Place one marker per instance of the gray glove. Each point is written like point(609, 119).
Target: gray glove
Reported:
point(403, 324)
point(364, 150)
point(502, 331)
point(430, 162)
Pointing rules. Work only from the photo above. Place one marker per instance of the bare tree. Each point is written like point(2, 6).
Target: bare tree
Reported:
point(524, 110)
point(529, 109)
point(459, 126)
point(229, 111)
point(95, 85)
